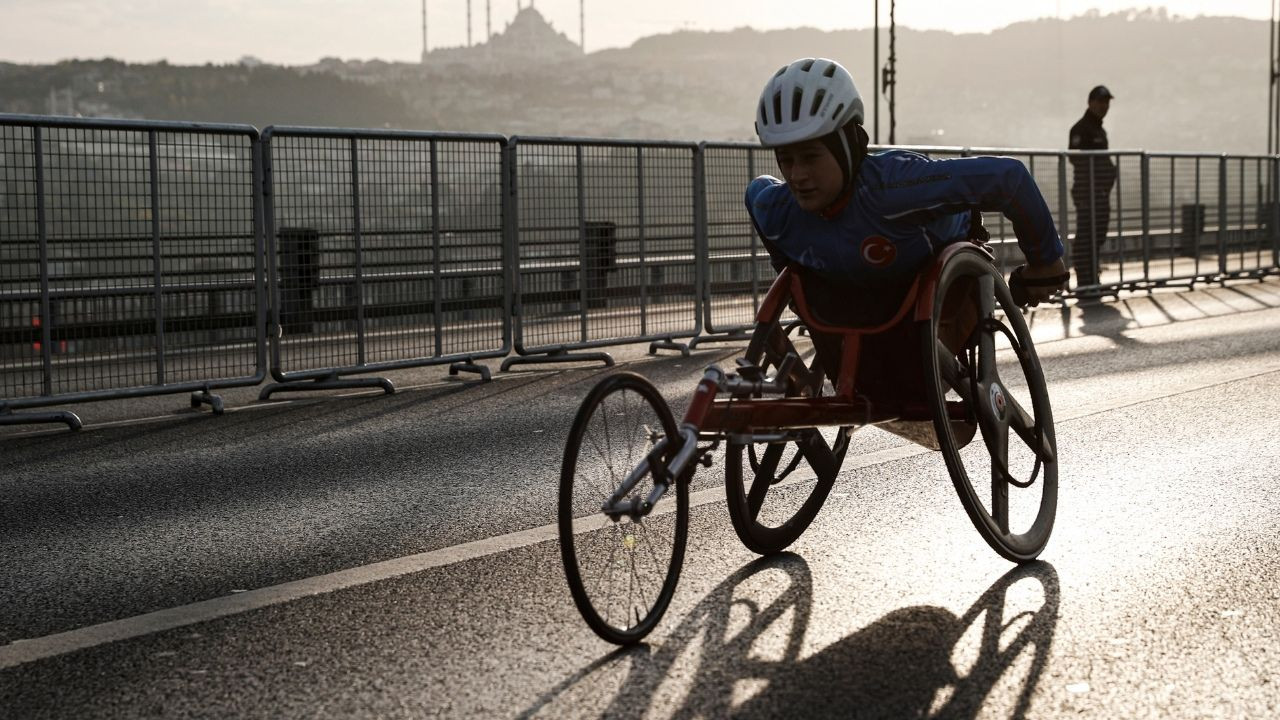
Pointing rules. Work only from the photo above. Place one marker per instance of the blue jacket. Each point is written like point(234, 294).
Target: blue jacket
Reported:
point(904, 206)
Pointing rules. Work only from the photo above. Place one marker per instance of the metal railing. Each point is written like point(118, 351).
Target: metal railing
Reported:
point(140, 258)
point(388, 250)
point(606, 246)
point(131, 261)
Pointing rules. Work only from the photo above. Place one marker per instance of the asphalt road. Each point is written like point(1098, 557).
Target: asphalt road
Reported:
point(371, 556)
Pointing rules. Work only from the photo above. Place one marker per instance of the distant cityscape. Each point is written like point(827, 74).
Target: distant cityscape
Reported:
point(1181, 84)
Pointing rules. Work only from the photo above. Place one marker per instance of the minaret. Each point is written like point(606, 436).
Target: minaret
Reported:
point(468, 23)
point(488, 21)
point(424, 32)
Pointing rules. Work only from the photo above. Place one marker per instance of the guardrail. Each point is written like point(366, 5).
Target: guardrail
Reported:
point(141, 258)
point(131, 259)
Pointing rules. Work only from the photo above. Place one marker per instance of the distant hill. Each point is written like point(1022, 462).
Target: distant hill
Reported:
point(1181, 84)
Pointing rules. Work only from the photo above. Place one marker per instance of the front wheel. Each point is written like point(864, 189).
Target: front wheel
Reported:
point(621, 571)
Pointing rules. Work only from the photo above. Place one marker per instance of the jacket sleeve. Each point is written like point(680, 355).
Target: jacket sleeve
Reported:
point(761, 206)
point(920, 190)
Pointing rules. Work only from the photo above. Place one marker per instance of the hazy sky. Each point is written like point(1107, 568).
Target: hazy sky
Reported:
point(302, 31)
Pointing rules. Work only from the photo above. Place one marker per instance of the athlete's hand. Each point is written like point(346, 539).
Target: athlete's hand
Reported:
point(1038, 283)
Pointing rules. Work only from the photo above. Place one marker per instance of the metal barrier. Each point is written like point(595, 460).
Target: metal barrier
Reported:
point(388, 250)
point(738, 272)
point(141, 258)
point(130, 254)
point(606, 249)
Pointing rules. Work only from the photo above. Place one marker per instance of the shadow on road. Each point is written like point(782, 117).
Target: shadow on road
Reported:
point(738, 653)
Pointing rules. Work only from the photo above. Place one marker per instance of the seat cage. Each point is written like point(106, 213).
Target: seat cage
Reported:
point(919, 302)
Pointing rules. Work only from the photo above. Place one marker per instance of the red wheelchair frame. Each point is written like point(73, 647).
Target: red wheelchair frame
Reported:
point(775, 403)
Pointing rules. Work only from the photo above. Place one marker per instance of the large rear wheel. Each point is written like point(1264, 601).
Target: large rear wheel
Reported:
point(983, 370)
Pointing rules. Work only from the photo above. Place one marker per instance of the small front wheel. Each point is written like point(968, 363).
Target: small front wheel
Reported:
point(622, 571)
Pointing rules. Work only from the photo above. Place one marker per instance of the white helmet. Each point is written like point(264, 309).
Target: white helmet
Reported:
point(806, 100)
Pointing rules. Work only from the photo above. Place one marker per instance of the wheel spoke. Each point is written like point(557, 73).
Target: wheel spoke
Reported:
point(998, 445)
point(1022, 423)
point(951, 371)
point(986, 339)
point(763, 479)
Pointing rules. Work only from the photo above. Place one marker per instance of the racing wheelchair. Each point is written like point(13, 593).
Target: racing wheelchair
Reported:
point(786, 421)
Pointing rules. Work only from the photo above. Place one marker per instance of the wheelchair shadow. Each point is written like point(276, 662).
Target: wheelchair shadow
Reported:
point(746, 654)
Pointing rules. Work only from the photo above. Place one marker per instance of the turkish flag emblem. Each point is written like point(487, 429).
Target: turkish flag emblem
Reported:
point(878, 251)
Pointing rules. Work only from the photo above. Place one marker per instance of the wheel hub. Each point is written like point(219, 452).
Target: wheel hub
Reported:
point(998, 403)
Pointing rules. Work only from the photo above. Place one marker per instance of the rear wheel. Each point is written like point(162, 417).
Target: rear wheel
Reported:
point(766, 519)
point(983, 371)
point(621, 571)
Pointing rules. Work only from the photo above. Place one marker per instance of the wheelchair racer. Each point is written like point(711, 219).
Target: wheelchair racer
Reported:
point(862, 225)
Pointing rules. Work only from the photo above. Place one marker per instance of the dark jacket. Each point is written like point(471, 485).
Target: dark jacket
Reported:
point(1088, 134)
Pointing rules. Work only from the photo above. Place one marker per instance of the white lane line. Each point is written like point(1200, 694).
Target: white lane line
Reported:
point(30, 650)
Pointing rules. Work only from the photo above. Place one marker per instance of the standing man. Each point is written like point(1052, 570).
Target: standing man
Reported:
point(1092, 180)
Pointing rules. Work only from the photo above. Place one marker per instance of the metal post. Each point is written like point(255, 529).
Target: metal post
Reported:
point(259, 150)
point(1222, 217)
point(755, 243)
point(1145, 180)
point(157, 272)
point(702, 268)
point(875, 74)
point(437, 299)
point(511, 238)
point(582, 245)
point(893, 73)
point(42, 229)
point(1064, 225)
point(1275, 212)
point(644, 265)
point(1093, 224)
point(359, 249)
point(1119, 220)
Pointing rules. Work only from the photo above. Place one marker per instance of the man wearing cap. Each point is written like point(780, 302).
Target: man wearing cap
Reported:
point(1092, 179)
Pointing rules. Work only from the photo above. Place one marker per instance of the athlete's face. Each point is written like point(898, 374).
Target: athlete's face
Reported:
point(812, 174)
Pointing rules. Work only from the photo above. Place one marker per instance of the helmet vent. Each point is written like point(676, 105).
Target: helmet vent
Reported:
point(830, 71)
point(764, 114)
point(797, 97)
point(817, 101)
point(777, 108)
point(780, 71)
point(808, 66)
point(839, 109)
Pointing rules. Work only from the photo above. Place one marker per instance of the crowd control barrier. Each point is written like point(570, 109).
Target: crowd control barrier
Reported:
point(388, 250)
point(140, 258)
point(607, 251)
point(130, 262)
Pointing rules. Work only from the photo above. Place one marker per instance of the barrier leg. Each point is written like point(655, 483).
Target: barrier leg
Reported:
point(470, 365)
point(557, 356)
point(327, 382)
point(668, 344)
point(8, 417)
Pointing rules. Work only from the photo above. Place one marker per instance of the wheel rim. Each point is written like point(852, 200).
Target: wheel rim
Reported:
point(996, 382)
point(622, 571)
